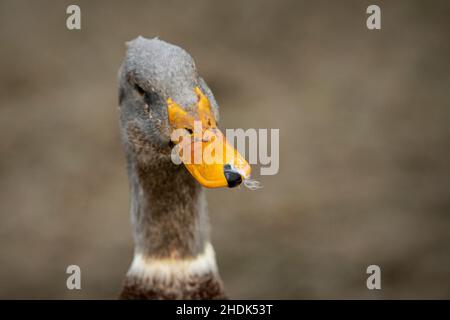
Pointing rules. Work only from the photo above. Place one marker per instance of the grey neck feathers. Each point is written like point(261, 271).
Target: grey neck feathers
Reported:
point(168, 211)
point(169, 219)
point(170, 223)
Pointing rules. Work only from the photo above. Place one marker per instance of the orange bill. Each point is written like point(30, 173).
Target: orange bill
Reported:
point(203, 148)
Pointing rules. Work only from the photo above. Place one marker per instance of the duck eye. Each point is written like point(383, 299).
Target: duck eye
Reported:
point(139, 89)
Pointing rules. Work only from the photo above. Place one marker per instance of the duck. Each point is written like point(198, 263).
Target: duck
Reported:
point(161, 94)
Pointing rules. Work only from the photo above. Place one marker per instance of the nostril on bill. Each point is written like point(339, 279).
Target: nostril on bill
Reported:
point(233, 177)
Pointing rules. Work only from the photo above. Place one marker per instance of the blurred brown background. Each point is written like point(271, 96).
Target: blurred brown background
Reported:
point(364, 120)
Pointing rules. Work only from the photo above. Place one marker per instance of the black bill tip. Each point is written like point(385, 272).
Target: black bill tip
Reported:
point(233, 177)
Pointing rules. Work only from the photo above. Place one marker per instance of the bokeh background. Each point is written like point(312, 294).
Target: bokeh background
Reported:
point(364, 119)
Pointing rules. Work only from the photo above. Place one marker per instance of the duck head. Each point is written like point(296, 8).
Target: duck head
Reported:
point(165, 104)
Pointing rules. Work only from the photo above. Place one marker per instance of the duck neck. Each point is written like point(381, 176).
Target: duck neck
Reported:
point(171, 235)
point(168, 210)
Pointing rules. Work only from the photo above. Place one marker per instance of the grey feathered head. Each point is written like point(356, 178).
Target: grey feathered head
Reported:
point(154, 75)
point(152, 72)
